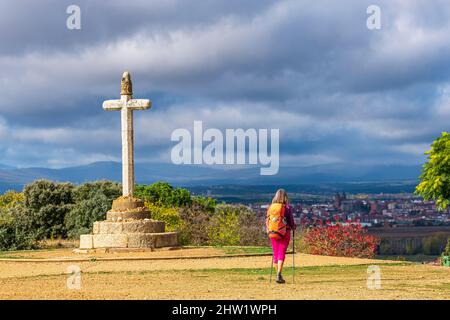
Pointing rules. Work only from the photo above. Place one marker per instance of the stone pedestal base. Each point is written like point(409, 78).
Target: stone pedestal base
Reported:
point(128, 225)
point(130, 240)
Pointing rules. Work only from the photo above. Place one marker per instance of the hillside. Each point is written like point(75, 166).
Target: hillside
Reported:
point(197, 176)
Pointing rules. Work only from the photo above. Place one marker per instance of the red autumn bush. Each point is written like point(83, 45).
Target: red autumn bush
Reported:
point(349, 240)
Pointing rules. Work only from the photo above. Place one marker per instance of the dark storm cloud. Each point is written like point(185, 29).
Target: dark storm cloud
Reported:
point(30, 25)
point(337, 91)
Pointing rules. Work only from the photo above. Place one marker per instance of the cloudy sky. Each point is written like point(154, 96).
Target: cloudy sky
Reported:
point(338, 91)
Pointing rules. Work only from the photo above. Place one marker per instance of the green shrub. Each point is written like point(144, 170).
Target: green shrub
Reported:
point(92, 201)
point(47, 204)
point(170, 216)
point(224, 228)
point(194, 227)
point(251, 228)
point(163, 194)
point(111, 190)
point(7, 201)
point(83, 214)
point(204, 203)
point(43, 192)
point(16, 233)
point(10, 199)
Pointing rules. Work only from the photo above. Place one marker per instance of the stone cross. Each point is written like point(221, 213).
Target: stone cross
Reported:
point(126, 105)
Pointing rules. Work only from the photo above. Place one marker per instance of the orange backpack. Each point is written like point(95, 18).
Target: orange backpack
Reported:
point(276, 221)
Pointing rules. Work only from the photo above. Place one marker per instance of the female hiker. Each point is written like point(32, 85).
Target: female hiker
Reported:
point(279, 223)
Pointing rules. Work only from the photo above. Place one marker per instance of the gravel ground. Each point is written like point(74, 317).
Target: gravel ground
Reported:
point(317, 277)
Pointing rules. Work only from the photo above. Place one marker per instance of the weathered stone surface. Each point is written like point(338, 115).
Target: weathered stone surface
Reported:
point(138, 226)
point(152, 240)
point(110, 227)
point(166, 239)
point(144, 226)
point(123, 216)
point(86, 241)
point(96, 227)
point(110, 240)
point(126, 87)
point(130, 240)
point(127, 203)
point(141, 240)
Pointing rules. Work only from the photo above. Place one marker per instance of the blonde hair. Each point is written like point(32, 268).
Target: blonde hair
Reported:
point(280, 197)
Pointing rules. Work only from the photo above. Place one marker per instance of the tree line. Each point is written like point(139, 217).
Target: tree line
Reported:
point(52, 210)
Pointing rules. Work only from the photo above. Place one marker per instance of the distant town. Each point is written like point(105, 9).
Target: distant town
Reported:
point(371, 210)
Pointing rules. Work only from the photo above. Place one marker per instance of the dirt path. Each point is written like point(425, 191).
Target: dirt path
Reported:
point(26, 269)
point(398, 282)
point(318, 277)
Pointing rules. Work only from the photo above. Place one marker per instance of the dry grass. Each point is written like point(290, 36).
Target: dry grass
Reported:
point(317, 277)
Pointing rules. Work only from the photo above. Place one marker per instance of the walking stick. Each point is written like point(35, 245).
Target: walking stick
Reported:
point(293, 256)
point(271, 265)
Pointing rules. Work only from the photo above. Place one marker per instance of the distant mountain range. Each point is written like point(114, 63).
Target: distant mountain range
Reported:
point(194, 175)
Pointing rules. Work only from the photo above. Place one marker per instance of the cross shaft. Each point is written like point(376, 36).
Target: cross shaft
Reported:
point(126, 105)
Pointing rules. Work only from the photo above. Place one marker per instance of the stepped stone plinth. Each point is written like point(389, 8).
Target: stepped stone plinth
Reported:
point(128, 225)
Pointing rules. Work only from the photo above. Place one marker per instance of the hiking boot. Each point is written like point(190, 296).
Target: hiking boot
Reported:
point(279, 278)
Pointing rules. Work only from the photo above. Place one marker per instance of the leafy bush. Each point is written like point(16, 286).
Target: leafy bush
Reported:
point(204, 203)
point(224, 228)
point(205, 223)
point(83, 214)
point(251, 228)
point(47, 204)
point(16, 233)
point(170, 216)
point(349, 240)
point(163, 194)
point(111, 190)
point(435, 244)
point(194, 228)
point(10, 199)
point(7, 201)
point(92, 201)
point(236, 225)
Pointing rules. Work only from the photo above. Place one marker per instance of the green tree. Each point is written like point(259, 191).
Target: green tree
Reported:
point(163, 194)
point(111, 190)
point(47, 204)
point(92, 201)
point(435, 178)
point(16, 233)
